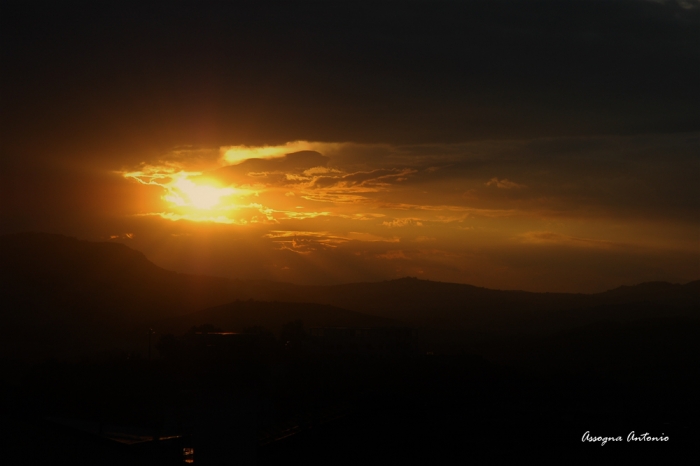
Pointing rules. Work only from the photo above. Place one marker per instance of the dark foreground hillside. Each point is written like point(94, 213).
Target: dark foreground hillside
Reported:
point(261, 398)
point(107, 359)
point(239, 315)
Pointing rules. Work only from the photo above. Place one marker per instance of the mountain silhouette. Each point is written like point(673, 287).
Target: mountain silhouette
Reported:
point(66, 297)
point(45, 277)
point(469, 308)
point(60, 292)
point(240, 315)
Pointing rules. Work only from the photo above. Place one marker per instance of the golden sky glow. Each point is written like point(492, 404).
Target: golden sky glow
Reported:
point(263, 194)
point(468, 144)
point(540, 214)
point(473, 213)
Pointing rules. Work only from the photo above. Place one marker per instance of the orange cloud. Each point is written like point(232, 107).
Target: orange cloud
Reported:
point(548, 237)
point(504, 183)
point(403, 222)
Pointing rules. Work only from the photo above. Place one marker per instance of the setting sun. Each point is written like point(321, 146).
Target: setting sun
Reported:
point(184, 192)
point(191, 196)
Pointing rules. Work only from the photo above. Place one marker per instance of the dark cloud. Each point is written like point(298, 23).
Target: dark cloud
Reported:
point(645, 176)
point(141, 77)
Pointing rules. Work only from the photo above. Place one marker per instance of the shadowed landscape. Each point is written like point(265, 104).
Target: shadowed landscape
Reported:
point(103, 348)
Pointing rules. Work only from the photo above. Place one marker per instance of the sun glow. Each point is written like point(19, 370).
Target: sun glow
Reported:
point(218, 187)
point(184, 192)
point(191, 196)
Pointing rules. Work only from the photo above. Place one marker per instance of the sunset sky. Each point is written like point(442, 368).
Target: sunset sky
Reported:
point(544, 146)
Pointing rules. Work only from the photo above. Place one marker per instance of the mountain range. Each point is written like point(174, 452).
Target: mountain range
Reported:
point(61, 292)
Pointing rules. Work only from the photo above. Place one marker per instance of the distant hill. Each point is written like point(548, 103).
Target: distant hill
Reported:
point(239, 315)
point(461, 307)
point(60, 292)
point(46, 277)
point(64, 297)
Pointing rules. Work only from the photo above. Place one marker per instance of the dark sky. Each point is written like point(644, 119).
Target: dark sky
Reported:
point(551, 124)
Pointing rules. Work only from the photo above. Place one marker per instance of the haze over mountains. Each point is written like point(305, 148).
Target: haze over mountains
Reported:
point(62, 291)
